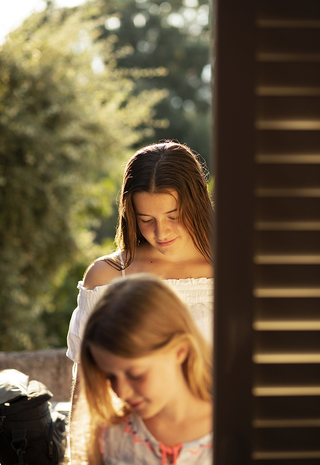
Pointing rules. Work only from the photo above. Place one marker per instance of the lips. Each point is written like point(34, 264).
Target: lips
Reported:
point(167, 243)
point(135, 404)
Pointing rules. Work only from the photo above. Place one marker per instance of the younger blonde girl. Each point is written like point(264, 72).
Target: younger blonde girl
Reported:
point(146, 375)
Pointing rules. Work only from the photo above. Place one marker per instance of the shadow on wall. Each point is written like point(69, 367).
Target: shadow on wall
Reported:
point(50, 367)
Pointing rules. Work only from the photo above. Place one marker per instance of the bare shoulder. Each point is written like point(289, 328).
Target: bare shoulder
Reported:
point(100, 273)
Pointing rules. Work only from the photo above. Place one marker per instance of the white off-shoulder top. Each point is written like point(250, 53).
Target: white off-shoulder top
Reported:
point(197, 293)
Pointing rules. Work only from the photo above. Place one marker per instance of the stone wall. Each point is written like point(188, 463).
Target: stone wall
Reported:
point(51, 367)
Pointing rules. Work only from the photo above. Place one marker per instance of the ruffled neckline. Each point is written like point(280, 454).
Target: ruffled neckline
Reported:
point(171, 281)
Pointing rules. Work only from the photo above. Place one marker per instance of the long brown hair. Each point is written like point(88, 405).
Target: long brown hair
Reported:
point(137, 316)
point(159, 168)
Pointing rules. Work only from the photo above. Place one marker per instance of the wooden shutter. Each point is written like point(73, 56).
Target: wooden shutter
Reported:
point(267, 232)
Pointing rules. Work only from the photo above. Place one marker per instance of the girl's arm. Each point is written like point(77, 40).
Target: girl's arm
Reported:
point(99, 273)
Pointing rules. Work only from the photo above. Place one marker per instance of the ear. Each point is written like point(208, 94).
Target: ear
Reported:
point(182, 352)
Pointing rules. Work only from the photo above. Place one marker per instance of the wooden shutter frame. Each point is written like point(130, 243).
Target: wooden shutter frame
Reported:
point(254, 351)
point(233, 239)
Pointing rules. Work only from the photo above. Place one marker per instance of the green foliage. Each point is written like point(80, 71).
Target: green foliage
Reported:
point(174, 35)
point(68, 120)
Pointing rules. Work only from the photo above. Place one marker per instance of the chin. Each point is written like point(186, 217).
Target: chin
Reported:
point(167, 250)
point(146, 414)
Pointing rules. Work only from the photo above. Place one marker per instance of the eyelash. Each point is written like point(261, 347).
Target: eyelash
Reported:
point(149, 221)
point(135, 378)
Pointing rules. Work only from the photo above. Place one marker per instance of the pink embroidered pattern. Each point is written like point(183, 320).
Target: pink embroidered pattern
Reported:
point(199, 448)
point(166, 450)
point(101, 444)
point(134, 434)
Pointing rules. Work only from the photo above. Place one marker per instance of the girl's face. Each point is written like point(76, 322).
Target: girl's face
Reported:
point(158, 220)
point(150, 384)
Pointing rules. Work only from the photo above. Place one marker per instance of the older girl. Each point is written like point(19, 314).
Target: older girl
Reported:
point(164, 228)
point(141, 344)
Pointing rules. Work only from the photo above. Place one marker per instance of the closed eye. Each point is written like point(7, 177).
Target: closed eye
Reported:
point(135, 377)
point(146, 221)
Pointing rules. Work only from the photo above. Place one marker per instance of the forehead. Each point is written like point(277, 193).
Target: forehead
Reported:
point(108, 362)
point(146, 202)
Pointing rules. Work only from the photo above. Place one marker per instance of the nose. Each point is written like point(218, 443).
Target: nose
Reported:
point(161, 230)
point(122, 388)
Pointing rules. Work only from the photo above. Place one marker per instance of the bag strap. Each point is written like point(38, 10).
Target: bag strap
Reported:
point(2, 418)
point(50, 438)
point(19, 444)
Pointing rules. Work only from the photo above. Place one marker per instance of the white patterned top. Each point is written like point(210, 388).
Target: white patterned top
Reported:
point(130, 442)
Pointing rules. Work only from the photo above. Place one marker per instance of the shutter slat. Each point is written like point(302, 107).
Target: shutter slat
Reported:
point(280, 125)
point(286, 412)
point(272, 455)
point(288, 57)
point(286, 345)
point(287, 226)
point(286, 314)
point(287, 75)
point(289, 423)
point(288, 107)
point(288, 159)
point(286, 293)
point(287, 179)
point(286, 259)
point(285, 242)
point(287, 276)
point(288, 209)
point(282, 192)
point(287, 325)
point(293, 357)
point(300, 42)
point(307, 390)
point(287, 91)
point(296, 24)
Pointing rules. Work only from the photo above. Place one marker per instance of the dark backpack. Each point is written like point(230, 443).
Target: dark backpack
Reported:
point(29, 433)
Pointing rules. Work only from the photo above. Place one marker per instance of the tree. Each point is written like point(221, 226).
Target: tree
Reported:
point(68, 119)
point(174, 35)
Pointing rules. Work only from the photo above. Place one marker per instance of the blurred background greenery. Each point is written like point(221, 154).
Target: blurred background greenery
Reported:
point(80, 90)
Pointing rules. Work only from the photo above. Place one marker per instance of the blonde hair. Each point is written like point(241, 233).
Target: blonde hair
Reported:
point(137, 316)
